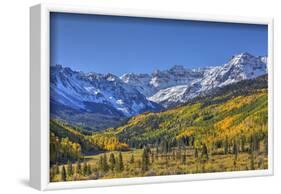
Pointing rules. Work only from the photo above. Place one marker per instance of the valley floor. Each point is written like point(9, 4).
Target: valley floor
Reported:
point(171, 163)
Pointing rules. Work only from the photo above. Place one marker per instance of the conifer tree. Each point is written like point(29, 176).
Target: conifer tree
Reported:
point(234, 163)
point(89, 170)
point(164, 146)
point(132, 160)
point(226, 146)
point(119, 163)
point(84, 169)
point(78, 167)
point(69, 169)
point(101, 166)
point(152, 157)
point(166, 161)
point(205, 152)
point(112, 161)
point(235, 150)
point(183, 159)
point(252, 161)
point(243, 144)
point(174, 155)
point(105, 164)
point(196, 153)
point(63, 174)
point(254, 142)
point(156, 153)
point(266, 144)
point(145, 160)
point(257, 143)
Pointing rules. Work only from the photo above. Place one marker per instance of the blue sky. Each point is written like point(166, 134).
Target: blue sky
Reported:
point(119, 45)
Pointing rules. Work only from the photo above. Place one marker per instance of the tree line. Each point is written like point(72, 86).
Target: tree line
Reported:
point(67, 172)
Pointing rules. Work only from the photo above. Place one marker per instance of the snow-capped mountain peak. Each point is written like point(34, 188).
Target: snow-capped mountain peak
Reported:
point(79, 90)
point(149, 84)
point(239, 67)
point(178, 69)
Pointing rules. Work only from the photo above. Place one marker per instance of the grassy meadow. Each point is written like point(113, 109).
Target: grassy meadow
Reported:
point(165, 164)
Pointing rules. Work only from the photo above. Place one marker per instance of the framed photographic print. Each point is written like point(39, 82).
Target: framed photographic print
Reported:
point(124, 97)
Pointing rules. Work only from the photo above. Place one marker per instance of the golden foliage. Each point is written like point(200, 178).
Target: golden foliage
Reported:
point(239, 101)
point(108, 141)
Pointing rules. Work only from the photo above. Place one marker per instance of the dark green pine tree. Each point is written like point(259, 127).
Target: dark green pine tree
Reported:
point(252, 161)
point(89, 170)
point(78, 167)
point(100, 165)
point(152, 157)
point(145, 160)
point(166, 161)
point(196, 153)
point(63, 174)
point(235, 150)
point(226, 146)
point(174, 155)
point(157, 153)
point(132, 160)
point(84, 168)
point(183, 159)
point(119, 163)
point(256, 142)
point(105, 164)
point(243, 141)
point(112, 161)
point(266, 144)
point(69, 169)
point(167, 147)
point(205, 154)
point(164, 146)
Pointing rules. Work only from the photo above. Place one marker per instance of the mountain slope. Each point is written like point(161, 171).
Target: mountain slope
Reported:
point(68, 143)
point(95, 100)
point(234, 111)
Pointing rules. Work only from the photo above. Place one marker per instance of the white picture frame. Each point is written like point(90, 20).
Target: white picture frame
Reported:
point(39, 101)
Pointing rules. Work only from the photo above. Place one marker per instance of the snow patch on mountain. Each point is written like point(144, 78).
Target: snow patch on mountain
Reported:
point(149, 84)
point(174, 92)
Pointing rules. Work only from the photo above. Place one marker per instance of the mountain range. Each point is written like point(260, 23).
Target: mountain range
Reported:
point(178, 84)
point(97, 101)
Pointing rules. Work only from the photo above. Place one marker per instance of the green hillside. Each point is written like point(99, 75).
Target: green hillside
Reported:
point(229, 114)
point(68, 142)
